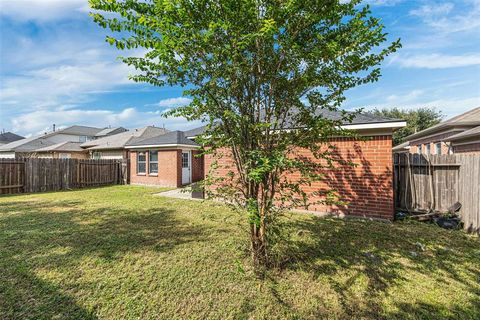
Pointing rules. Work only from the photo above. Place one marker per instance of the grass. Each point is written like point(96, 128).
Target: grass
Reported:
point(119, 252)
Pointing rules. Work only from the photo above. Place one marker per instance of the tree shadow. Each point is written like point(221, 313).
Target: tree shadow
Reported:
point(386, 254)
point(58, 234)
point(365, 187)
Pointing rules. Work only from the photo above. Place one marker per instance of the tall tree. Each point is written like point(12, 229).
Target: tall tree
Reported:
point(261, 73)
point(417, 120)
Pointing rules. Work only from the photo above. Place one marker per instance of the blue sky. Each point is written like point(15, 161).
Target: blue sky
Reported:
point(55, 66)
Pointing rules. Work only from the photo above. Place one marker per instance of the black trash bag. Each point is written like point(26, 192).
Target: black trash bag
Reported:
point(448, 222)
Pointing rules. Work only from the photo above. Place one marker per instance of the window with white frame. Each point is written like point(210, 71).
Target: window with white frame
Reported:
point(438, 148)
point(185, 160)
point(141, 162)
point(96, 155)
point(153, 162)
point(427, 148)
point(419, 149)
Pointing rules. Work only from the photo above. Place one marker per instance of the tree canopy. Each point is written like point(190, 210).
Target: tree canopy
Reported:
point(264, 75)
point(417, 120)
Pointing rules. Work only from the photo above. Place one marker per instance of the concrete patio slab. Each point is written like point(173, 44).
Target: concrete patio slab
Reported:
point(180, 193)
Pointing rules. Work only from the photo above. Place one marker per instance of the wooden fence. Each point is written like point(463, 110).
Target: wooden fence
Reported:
point(435, 182)
point(38, 175)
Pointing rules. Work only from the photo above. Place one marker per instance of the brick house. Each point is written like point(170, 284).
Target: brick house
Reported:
point(466, 142)
point(438, 139)
point(166, 160)
point(169, 160)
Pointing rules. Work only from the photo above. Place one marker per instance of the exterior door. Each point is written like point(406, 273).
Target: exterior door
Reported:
point(186, 167)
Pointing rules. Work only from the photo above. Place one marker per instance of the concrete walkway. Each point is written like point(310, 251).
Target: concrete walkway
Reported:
point(180, 193)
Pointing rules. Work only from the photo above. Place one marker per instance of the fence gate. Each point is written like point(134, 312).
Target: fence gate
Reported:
point(435, 182)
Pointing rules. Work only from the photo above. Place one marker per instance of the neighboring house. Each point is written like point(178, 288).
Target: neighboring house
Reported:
point(113, 146)
point(31, 146)
point(167, 160)
point(7, 137)
point(170, 160)
point(438, 139)
point(466, 142)
point(62, 150)
point(402, 148)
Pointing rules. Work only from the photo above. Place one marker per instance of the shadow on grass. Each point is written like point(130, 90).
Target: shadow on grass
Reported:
point(58, 234)
point(386, 254)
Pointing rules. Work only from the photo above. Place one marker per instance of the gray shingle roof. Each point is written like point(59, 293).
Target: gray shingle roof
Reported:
point(63, 146)
point(81, 130)
point(120, 140)
point(195, 132)
point(40, 141)
point(8, 137)
point(27, 144)
point(170, 138)
point(110, 131)
point(361, 118)
point(475, 132)
point(469, 118)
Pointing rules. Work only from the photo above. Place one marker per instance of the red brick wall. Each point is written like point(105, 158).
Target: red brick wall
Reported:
point(169, 170)
point(197, 166)
point(367, 188)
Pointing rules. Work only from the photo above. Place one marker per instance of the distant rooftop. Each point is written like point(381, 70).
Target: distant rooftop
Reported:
point(62, 146)
point(41, 141)
point(7, 137)
point(109, 131)
point(170, 138)
point(119, 140)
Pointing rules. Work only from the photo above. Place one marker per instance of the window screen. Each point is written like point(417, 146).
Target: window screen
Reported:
point(153, 162)
point(141, 162)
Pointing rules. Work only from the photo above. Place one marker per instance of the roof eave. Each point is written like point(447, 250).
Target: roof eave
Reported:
point(177, 145)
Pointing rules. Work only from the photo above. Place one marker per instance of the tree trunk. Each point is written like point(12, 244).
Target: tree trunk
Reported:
point(258, 245)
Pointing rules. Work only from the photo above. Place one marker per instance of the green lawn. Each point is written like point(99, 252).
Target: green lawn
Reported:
point(119, 252)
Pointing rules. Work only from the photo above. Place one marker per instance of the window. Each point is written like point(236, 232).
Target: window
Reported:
point(427, 148)
point(419, 149)
point(185, 160)
point(141, 162)
point(82, 138)
point(153, 162)
point(438, 148)
point(97, 155)
point(64, 155)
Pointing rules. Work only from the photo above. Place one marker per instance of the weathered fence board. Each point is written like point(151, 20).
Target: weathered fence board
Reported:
point(435, 182)
point(39, 175)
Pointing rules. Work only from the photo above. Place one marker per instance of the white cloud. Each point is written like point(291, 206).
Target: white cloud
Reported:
point(430, 11)
point(383, 2)
point(442, 18)
point(62, 84)
point(173, 102)
point(437, 61)
point(37, 121)
point(408, 97)
point(42, 10)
